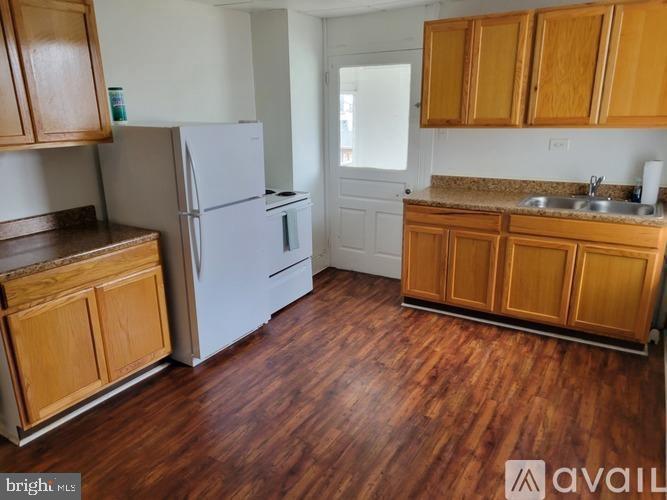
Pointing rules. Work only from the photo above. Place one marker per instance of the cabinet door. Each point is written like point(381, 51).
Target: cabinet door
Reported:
point(15, 124)
point(570, 51)
point(613, 291)
point(471, 269)
point(635, 90)
point(133, 315)
point(63, 69)
point(58, 354)
point(424, 261)
point(446, 72)
point(538, 279)
point(499, 63)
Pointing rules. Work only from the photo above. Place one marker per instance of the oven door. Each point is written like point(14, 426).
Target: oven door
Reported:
point(279, 252)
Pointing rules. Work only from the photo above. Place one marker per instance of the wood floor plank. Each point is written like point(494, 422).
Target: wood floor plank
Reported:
point(347, 395)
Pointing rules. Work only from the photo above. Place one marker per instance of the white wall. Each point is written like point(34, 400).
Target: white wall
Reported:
point(379, 31)
point(307, 118)
point(177, 60)
point(271, 63)
point(457, 8)
point(506, 153)
point(37, 182)
point(524, 154)
point(289, 68)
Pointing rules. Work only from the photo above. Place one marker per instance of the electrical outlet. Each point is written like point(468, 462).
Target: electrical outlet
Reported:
point(559, 144)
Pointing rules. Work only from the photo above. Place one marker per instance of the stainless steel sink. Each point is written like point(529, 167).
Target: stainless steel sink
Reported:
point(588, 204)
point(622, 207)
point(562, 202)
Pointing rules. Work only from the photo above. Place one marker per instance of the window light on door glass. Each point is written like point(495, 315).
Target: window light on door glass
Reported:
point(374, 116)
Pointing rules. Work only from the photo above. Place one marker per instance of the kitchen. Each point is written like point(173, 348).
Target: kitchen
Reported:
point(350, 388)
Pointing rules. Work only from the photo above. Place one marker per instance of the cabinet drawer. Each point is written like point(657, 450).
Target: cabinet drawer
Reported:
point(584, 230)
point(453, 217)
point(60, 279)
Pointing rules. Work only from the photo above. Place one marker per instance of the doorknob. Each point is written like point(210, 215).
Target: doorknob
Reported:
point(408, 190)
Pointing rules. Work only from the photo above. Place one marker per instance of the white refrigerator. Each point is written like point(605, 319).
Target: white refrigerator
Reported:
point(201, 186)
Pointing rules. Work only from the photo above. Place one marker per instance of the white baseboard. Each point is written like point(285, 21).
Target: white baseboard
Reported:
point(530, 330)
point(66, 418)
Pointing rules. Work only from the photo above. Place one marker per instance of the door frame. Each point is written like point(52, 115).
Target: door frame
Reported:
point(420, 142)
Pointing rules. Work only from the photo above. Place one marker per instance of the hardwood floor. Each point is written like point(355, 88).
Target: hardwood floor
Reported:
point(347, 395)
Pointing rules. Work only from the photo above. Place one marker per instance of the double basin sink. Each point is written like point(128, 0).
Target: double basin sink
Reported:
point(587, 204)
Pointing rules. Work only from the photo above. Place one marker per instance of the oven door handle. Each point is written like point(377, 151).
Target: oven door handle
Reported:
point(283, 213)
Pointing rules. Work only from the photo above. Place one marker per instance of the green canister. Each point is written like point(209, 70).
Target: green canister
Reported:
point(117, 99)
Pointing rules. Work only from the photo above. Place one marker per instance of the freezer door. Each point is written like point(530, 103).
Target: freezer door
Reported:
point(228, 275)
point(218, 164)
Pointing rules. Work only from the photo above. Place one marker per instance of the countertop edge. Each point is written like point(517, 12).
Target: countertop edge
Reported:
point(541, 212)
point(20, 272)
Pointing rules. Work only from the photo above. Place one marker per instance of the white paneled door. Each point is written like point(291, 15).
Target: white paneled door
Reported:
point(373, 127)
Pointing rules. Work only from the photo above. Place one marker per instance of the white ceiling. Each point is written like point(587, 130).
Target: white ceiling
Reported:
point(319, 8)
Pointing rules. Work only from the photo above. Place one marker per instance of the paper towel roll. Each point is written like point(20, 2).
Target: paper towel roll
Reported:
point(651, 181)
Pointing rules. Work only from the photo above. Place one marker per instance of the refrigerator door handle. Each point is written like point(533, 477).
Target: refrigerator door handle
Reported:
point(190, 159)
point(199, 257)
point(195, 213)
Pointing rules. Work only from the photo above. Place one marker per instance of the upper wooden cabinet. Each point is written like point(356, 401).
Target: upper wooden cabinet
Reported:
point(635, 90)
point(499, 61)
point(446, 72)
point(592, 65)
point(63, 69)
point(474, 70)
point(15, 125)
point(568, 67)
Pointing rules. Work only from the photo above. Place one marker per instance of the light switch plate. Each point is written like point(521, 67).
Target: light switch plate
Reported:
point(559, 144)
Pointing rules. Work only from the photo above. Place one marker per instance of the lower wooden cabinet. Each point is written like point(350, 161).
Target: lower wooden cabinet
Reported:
point(424, 260)
point(67, 348)
point(58, 353)
point(471, 269)
point(538, 279)
point(613, 290)
point(133, 316)
point(596, 277)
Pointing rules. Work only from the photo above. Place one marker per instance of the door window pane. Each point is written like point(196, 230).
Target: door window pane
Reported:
point(375, 116)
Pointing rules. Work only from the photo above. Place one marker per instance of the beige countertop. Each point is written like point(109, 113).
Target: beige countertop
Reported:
point(508, 202)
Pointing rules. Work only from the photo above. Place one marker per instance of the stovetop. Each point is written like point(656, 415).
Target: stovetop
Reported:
point(275, 198)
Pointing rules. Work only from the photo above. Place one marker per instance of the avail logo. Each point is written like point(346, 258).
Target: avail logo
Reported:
point(525, 480)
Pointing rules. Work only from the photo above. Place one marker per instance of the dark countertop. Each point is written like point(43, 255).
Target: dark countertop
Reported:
point(33, 253)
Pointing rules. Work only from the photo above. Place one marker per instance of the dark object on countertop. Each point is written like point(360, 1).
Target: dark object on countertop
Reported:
point(269, 191)
point(287, 193)
point(636, 196)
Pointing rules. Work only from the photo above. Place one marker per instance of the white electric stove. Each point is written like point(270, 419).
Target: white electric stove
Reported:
point(289, 237)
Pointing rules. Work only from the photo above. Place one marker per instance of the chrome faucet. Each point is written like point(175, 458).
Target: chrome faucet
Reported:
point(594, 185)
